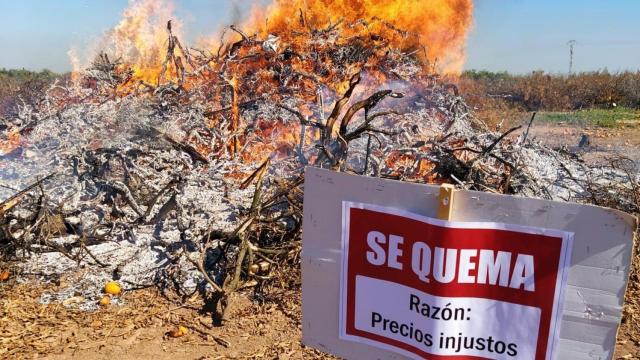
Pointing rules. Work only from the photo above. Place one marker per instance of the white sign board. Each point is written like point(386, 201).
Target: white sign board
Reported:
point(507, 278)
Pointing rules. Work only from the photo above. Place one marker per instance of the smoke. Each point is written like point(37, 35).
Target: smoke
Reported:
point(236, 13)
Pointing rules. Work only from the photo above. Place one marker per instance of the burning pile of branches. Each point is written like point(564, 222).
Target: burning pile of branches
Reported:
point(192, 179)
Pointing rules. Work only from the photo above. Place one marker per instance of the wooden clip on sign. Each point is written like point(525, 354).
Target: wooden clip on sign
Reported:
point(445, 201)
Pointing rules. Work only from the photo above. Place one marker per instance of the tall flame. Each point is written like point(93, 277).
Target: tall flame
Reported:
point(438, 26)
point(139, 39)
point(435, 30)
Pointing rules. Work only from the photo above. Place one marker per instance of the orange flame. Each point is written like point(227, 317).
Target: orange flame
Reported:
point(11, 143)
point(140, 38)
point(438, 26)
point(434, 30)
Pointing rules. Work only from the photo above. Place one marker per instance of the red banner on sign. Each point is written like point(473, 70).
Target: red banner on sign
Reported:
point(444, 290)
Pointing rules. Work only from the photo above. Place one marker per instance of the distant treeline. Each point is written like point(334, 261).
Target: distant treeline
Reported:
point(551, 92)
point(483, 89)
point(26, 75)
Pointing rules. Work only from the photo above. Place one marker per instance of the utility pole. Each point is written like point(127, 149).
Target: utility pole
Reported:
point(571, 43)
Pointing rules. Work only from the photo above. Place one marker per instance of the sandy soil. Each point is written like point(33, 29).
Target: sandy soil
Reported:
point(139, 328)
point(603, 141)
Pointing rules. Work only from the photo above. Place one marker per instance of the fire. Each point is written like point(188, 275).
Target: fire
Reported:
point(437, 27)
point(139, 39)
point(11, 143)
point(435, 31)
point(147, 42)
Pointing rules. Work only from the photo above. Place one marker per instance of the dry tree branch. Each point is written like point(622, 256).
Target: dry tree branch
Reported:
point(337, 109)
point(12, 201)
point(366, 104)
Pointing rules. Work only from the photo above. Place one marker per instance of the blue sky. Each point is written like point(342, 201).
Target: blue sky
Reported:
point(526, 35)
point(513, 35)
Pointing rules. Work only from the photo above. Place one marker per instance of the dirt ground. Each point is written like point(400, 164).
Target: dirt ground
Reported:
point(623, 140)
point(139, 329)
point(271, 330)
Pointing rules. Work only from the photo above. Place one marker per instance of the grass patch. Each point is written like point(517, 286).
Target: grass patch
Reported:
point(594, 117)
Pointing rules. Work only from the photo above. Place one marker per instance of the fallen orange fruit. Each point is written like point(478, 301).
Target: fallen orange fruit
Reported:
point(4, 275)
point(112, 288)
point(178, 332)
